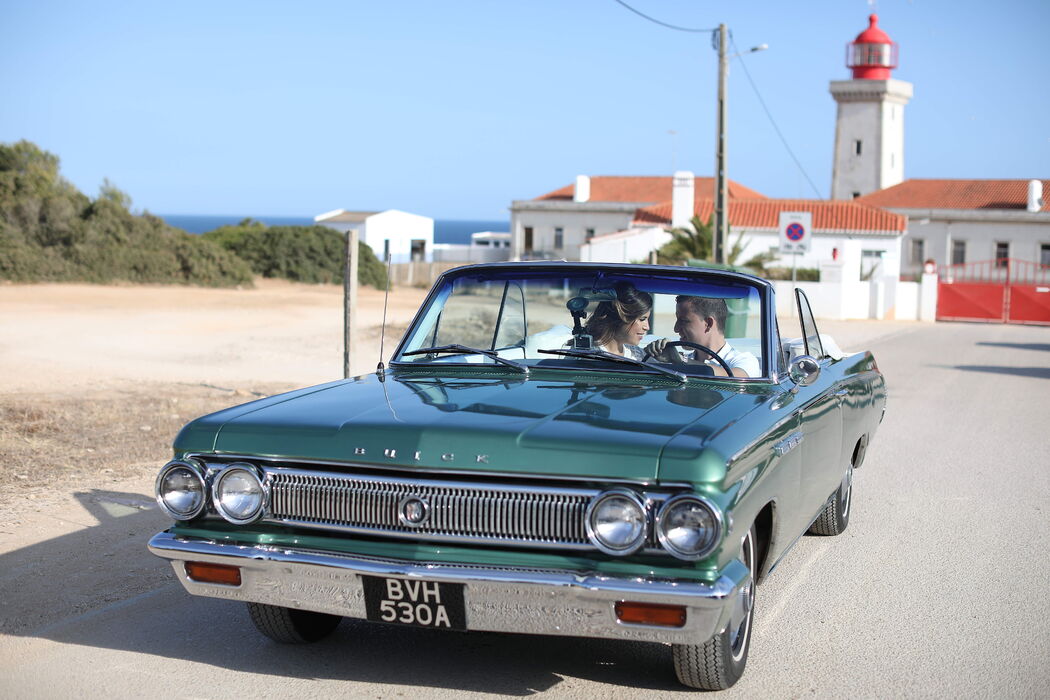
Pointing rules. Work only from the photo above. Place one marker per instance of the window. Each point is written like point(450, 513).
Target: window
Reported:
point(1044, 254)
point(528, 239)
point(559, 238)
point(857, 146)
point(1002, 252)
point(419, 250)
point(870, 263)
point(958, 252)
point(386, 250)
point(590, 233)
point(918, 250)
point(855, 194)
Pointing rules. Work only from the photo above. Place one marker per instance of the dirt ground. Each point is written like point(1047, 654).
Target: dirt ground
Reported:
point(95, 381)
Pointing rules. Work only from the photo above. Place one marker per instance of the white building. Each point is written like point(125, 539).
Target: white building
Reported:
point(557, 224)
point(402, 236)
point(485, 246)
point(968, 221)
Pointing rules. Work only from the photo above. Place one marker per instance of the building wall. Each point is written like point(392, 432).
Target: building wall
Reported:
point(1024, 237)
point(574, 221)
point(400, 228)
point(633, 245)
point(871, 112)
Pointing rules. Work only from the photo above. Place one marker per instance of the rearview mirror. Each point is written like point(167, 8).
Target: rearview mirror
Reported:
point(804, 370)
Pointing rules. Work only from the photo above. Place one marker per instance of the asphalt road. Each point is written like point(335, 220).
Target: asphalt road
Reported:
point(937, 589)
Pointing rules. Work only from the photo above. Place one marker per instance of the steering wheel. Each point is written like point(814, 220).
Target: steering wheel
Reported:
point(695, 346)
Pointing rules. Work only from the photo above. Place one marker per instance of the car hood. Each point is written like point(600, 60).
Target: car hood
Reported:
point(610, 428)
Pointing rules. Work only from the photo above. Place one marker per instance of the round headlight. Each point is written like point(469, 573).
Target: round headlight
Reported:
point(238, 494)
point(180, 490)
point(616, 522)
point(688, 527)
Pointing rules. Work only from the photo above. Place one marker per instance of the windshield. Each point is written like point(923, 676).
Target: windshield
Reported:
point(618, 320)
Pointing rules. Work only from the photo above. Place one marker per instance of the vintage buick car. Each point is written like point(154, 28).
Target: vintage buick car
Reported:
point(528, 463)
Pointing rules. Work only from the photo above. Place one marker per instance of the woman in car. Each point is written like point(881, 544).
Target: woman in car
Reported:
point(619, 326)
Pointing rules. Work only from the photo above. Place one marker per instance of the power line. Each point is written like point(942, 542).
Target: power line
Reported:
point(664, 24)
point(832, 210)
point(773, 121)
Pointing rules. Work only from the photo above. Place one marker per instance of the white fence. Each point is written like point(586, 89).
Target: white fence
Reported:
point(886, 298)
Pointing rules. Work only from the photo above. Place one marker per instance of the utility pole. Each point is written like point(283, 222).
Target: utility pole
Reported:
point(721, 228)
point(350, 301)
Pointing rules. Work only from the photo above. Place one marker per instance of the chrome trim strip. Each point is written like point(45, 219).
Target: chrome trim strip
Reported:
point(498, 599)
point(432, 471)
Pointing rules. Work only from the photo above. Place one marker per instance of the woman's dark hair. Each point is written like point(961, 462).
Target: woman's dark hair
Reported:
point(610, 316)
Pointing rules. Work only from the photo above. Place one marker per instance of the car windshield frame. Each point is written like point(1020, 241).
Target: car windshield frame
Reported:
point(651, 278)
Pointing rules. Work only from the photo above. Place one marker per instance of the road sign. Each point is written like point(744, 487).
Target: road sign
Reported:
point(795, 231)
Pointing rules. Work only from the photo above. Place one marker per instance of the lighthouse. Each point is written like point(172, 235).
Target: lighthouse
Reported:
point(869, 128)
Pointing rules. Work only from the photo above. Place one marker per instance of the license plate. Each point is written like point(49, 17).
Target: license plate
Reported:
point(414, 602)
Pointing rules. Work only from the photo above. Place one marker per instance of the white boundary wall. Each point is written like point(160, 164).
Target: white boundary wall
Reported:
point(885, 298)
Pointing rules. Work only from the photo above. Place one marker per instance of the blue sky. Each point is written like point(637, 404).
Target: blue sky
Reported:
point(453, 109)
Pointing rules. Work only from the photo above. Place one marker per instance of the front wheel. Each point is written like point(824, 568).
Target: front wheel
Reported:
point(719, 662)
point(291, 626)
point(835, 516)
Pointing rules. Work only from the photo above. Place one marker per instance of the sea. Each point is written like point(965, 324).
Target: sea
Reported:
point(445, 230)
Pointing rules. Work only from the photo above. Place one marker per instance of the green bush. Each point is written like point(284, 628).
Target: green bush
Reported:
point(802, 274)
point(49, 231)
point(313, 254)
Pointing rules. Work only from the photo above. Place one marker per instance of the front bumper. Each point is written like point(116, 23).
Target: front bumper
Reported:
point(498, 599)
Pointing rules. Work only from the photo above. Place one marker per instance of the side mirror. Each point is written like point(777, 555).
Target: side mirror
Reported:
point(804, 370)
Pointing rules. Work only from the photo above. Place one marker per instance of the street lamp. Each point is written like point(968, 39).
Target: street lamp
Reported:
point(721, 232)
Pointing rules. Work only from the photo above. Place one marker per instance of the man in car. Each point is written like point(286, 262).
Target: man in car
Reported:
point(702, 320)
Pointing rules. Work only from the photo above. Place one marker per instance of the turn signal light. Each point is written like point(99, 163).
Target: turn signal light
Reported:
point(213, 573)
point(651, 614)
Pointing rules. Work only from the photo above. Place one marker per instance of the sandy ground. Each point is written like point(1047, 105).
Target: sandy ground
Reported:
point(68, 338)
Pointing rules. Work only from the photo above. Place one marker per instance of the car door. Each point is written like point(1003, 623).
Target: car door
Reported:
point(821, 420)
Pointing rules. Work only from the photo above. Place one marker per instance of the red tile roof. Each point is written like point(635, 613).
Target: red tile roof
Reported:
point(956, 194)
point(831, 216)
point(644, 188)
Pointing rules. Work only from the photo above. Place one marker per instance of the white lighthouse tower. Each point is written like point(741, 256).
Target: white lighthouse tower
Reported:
point(869, 129)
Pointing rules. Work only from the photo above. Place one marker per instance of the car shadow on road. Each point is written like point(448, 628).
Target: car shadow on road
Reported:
point(1044, 347)
point(1033, 372)
point(99, 587)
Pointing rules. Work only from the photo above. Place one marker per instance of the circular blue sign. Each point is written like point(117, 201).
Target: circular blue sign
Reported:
point(795, 232)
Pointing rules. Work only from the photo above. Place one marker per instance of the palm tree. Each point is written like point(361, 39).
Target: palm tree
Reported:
point(687, 243)
point(695, 242)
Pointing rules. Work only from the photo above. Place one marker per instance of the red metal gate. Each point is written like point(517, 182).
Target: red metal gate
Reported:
point(995, 291)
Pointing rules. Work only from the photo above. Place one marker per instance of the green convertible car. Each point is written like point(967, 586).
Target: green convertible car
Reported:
point(594, 450)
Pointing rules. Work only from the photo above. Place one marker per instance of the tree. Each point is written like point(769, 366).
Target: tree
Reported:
point(687, 243)
point(695, 243)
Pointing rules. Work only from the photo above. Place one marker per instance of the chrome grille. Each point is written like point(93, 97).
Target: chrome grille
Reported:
point(537, 516)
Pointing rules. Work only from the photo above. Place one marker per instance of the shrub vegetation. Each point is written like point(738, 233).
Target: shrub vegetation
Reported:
point(51, 232)
point(312, 254)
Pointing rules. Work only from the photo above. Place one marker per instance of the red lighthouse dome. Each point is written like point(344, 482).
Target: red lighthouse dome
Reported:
point(872, 55)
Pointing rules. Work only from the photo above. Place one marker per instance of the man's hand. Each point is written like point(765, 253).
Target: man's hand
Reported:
point(659, 350)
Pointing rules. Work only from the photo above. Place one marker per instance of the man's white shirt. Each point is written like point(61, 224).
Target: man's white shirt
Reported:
point(734, 358)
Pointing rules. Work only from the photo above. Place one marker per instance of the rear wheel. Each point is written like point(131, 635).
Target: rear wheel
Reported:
point(290, 626)
point(835, 516)
point(719, 662)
